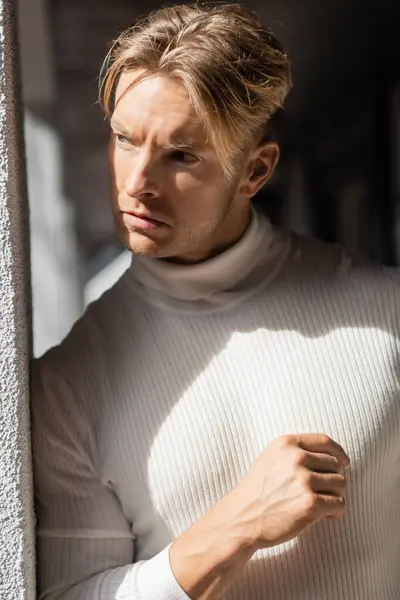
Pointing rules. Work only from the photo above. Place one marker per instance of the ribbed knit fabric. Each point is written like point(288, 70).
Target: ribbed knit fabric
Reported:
point(155, 406)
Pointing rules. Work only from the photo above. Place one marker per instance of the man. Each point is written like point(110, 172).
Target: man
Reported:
point(193, 433)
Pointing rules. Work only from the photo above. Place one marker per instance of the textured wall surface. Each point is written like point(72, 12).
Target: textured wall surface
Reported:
point(16, 514)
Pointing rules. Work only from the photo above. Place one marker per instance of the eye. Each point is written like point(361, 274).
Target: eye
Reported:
point(121, 139)
point(184, 157)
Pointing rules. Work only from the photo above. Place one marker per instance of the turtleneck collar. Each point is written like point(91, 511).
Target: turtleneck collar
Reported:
point(213, 281)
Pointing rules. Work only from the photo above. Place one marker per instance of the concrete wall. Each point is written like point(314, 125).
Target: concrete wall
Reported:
point(17, 581)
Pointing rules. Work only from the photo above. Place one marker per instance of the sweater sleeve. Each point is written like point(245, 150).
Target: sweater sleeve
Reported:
point(85, 543)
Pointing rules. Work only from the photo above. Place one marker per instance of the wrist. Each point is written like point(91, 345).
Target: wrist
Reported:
point(240, 518)
point(209, 556)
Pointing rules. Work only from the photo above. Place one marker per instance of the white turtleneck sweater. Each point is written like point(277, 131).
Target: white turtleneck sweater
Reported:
point(170, 386)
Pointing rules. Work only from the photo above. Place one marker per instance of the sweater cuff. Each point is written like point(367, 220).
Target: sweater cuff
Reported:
point(156, 581)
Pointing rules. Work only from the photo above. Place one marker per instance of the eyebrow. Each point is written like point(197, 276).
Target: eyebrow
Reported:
point(117, 125)
point(177, 142)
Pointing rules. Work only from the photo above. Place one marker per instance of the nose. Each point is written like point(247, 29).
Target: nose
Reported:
point(141, 183)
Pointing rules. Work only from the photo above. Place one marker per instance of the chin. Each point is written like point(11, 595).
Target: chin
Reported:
point(145, 246)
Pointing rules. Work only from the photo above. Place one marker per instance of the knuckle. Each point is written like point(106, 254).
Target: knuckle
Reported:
point(284, 441)
point(305, 477)
point(337, 507)
point(340, 506)
point(325, 440)
point(331, 461)
point(299, 457)
point(310, 502)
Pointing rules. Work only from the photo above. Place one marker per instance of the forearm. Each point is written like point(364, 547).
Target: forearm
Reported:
point(144, 580)
point(202, 564)
point(210, 556)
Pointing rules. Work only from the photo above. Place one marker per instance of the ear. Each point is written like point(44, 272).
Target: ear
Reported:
point(260, 166)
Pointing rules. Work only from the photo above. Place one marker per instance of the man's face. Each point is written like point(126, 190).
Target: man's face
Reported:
point(171, 198)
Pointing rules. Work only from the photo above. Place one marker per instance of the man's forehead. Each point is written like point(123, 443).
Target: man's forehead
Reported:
point(152, 93)
point(156, 105)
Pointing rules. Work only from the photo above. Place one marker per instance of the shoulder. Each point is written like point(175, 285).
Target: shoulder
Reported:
point(347, 282)
point(338, 264)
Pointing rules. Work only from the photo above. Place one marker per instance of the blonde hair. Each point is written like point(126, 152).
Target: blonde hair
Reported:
point(235, 71)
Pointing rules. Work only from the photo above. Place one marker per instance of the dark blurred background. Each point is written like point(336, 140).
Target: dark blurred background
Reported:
point(339, 174)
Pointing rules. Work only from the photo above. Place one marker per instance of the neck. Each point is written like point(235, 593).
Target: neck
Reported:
point(230, 230)
point(223, 279)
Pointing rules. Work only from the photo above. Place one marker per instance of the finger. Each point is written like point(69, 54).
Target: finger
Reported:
point(332, 484)
point(321, 463)
point(330, 506)
point(321, 443)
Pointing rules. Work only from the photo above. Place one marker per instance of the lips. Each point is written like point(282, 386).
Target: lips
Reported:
point(140, 222)
point(143, 216)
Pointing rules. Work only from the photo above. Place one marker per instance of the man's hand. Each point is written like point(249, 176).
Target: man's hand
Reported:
point(297, 481)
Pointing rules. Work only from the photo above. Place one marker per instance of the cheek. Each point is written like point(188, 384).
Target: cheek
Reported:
point(183, 183)
point(119, 166)
point(201, 183)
